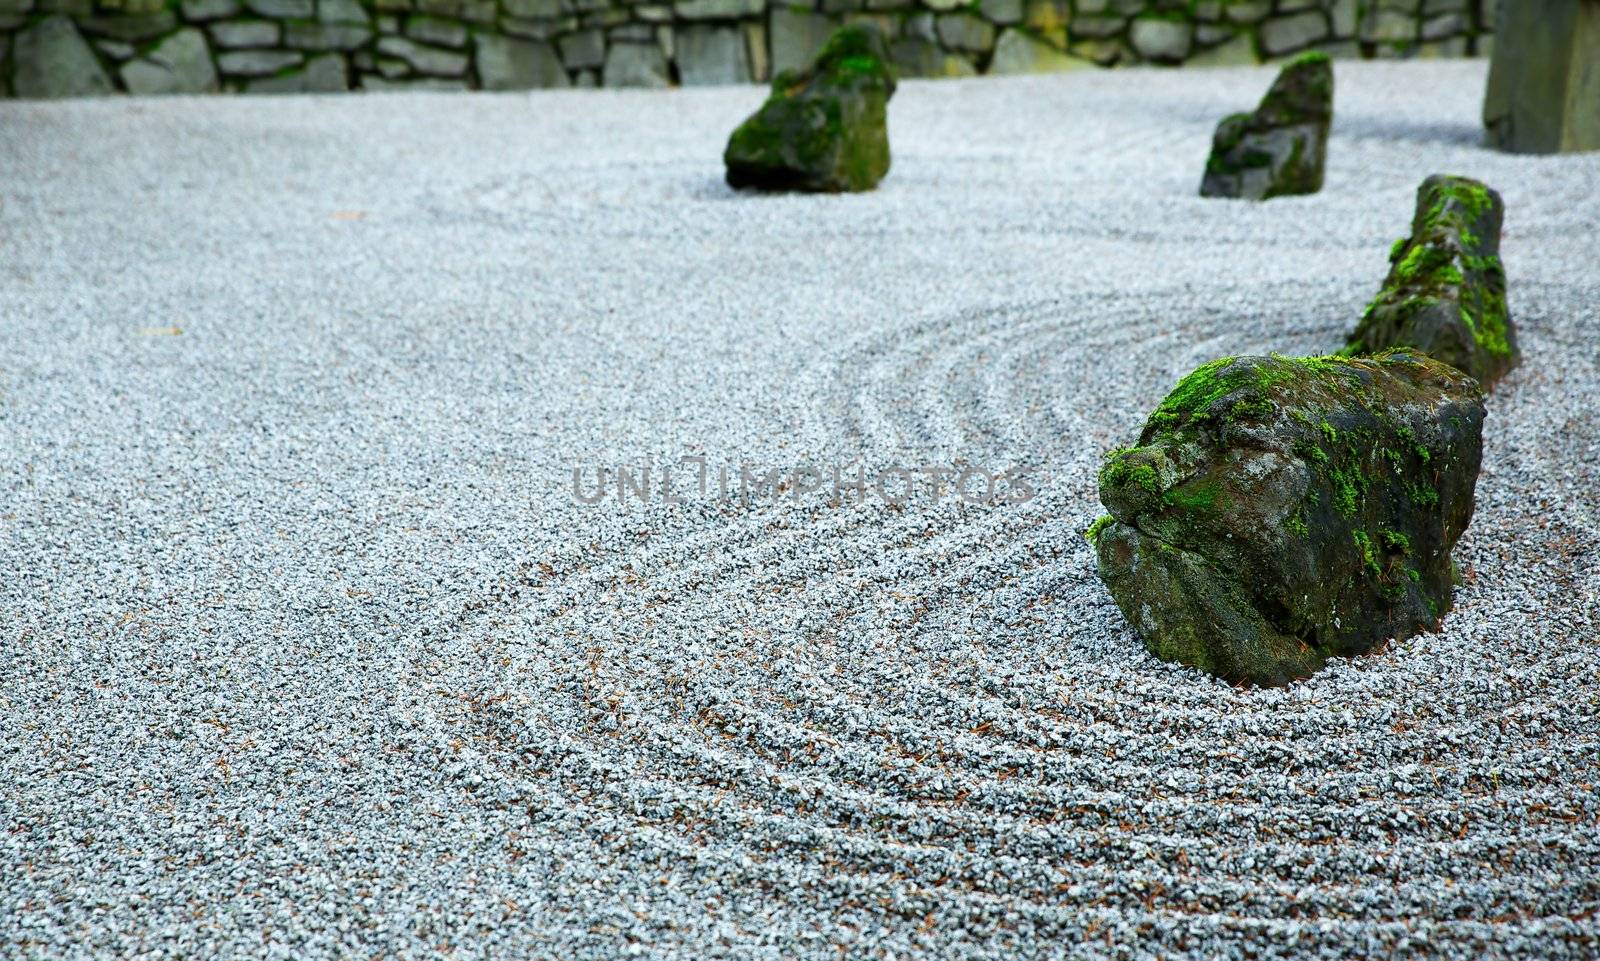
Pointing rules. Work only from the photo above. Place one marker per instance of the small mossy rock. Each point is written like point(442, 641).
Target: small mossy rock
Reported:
point(1446, 290)
point(1282, 147)
point(824, 128)
point(1280, 511)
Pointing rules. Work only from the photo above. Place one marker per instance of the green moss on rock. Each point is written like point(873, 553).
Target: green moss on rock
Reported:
point(824, 128)
point(1281, 148)
point(1446, 290)
point(1257, 546)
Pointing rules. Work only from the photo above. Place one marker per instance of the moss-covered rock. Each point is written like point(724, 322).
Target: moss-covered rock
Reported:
point(1281, 148)
point(824, 128)
point(1280, 511)
point(1446, 290)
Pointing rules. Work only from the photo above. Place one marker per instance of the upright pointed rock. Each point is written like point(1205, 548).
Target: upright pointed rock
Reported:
point(1281, 148)
point(1544, 77)
point(823, 128)
point(1446, 290)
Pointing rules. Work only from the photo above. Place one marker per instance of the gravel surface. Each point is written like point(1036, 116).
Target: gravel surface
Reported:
point(310, 651)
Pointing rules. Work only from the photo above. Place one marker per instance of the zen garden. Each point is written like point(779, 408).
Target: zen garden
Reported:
point(857, 479)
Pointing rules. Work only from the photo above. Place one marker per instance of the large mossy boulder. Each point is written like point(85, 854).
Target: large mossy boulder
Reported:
point(1282, 147)
point(1446, 290)
point(1280, 511)
point(823, 128)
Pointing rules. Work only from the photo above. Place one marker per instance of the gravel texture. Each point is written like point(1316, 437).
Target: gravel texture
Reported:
point(310, 652)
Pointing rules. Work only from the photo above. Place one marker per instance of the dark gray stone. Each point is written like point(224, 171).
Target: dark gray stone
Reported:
point(53, 60)
point(508, 63)
point(1544, 77)
point(327, 73)
point(423, 59)
point(179, 64)
point(236, 34)
point(635, 65)
point(1278, 511)
point(1446, 290)
point(1281, 148)
point(443, 33)
point(258, 63)
point(708, 55)
point(824, 129)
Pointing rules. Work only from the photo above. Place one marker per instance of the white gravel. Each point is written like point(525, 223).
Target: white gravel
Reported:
point(309, 653)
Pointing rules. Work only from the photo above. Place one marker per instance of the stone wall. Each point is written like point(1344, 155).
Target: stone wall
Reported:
point(85, 47)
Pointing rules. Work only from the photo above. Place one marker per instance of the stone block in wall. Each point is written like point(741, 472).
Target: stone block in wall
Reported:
point(472, 11)
point(414, 84)
point(1003, 12)
point(1386, 25)
point(963, 31)
point(1096, 27)
point(586, 48)
point(921, 26)
point(314, 35)
point(1247, 12)
point(1283, 35)
point(326, 73)
point(432, 61)
point(51, 59)
point(1017, 52)
point(710, 55)
point(507, 63)
point(1047, 20)
point(755, 43)
point(1237, 51)
point(796, 37)
point(1106, 51)
point(635, 65)
point(1448, 48)
point(532, 9)
point(181, 63)
point(1445, 25)
point(611, 17)
point(258, 63)
point(283, 9)
point(718, 9)
point(132, 27)
point(133, 6)
point(635, 33)
point(1161, 40)
point(1345, 18)
point(342, 11)
point(918, 57)
point(238, 34)
point(436, 30)
point(199, 10)
point(538, 29)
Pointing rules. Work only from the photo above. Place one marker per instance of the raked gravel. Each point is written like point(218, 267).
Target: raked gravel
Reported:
point(309, 651)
